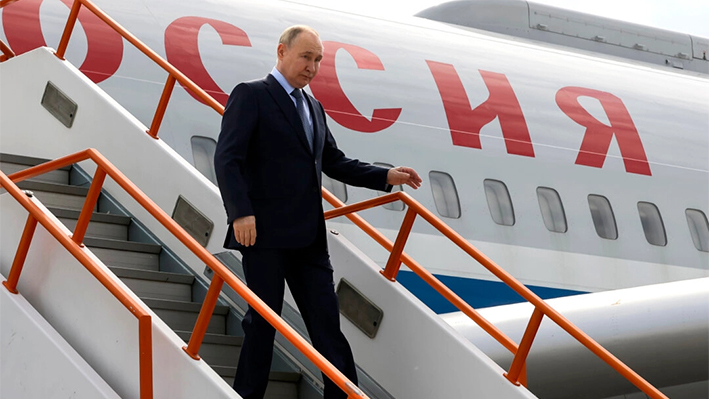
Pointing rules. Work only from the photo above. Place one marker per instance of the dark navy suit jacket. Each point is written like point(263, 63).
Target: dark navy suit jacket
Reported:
point(265, 167)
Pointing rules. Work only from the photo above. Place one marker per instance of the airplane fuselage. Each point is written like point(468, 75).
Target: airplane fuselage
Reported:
point(495, 126)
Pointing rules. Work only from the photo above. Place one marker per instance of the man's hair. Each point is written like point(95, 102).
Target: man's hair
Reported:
point(290, 34)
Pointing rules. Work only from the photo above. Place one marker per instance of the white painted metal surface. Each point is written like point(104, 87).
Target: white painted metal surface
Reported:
point(660, 331)
point(669, 111)
point(102, 124)
point(93, 322)
point(415, 355)
point(667, 108)
point(553, 25)
point(32, 350)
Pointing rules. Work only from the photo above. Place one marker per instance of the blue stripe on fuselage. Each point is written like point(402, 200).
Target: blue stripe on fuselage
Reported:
point(477, 293)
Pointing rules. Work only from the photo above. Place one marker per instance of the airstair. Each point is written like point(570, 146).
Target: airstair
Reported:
point(134, 261)
point(411, 342)
point(144, 265)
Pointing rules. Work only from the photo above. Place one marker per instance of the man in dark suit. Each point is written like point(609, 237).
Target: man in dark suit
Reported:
point(273, 147)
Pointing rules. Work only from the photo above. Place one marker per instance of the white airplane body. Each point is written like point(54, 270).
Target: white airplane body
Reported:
point(460, 106)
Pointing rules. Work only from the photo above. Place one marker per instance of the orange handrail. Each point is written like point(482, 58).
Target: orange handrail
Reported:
point(7, 52)
point(541, 308)
point(145, 338)
point(221, 273)
point(429, 278)
point(397, 256)
point(4, 3)
point(174, 74)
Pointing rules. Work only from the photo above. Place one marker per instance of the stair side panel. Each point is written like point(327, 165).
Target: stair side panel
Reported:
point(415, 354)
point(37, 362)
point(94, 322)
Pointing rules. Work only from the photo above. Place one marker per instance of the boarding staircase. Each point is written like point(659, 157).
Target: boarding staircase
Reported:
point(146, 267)
point(411, 354)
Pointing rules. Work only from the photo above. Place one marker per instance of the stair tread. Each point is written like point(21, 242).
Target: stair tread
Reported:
point(140, 274)
point(182, 306)
point(177, 278)
point(53, 187)
point(209, 338)
point(122, 245)
point(229, 342)
point(95, 217)
point(25, 160)
point(283, 376)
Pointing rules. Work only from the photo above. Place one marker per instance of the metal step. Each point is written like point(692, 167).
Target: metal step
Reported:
point(137, 264)
point(10, 163)
point(221, 352)
point(126, 254)
point(101, 225)
point(217, 349)
point(182, 316)
point(281, 384)
point(57, 195)
point(156, 285)
point(56, 176)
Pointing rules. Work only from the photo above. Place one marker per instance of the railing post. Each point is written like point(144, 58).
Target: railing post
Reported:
point(162, 106)
point(64, 42)
point(4, 3)
point(94, 191)
point(518, 363)
point(7, 52)
point(200, 328)
point(145, 345)
point(394, 262)
point(354, 391)
point(21, 255)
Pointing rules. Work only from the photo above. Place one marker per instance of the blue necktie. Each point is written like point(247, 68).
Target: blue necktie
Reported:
point(303, 116)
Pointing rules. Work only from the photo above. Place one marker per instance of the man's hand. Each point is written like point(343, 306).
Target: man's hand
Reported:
point(245, 230)
point(404, 175)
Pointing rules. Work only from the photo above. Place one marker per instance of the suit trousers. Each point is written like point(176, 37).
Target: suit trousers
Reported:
point(309, 275)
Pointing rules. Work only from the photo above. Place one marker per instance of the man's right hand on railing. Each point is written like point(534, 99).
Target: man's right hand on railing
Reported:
point(245, 230)
point(404, 175)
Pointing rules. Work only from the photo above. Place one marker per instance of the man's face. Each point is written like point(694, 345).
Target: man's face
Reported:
point(300, 63)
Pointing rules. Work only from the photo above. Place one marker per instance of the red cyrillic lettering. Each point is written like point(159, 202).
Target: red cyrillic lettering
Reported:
point(326, 88)
point(465, 123)
point(182, 50)
point(22, 27)
point(597, 138)
point(104, 45)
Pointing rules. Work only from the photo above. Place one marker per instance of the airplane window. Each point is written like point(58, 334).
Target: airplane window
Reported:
point(392, 206)
point(337, 188)
point(203, 154)
point(445, 194)
point(499, 202)
point(699, 228)
point(652, 224)
point(552, 209)
point(603, 218)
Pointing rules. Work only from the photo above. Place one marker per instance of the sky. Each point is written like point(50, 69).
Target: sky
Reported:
point(686, 16)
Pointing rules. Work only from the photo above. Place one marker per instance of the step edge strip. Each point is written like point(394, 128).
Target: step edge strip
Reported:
point(122, 245)
point(55, 188)
point(95, 217)
point(193, 307)
point(26, 160)
point(150, 275)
